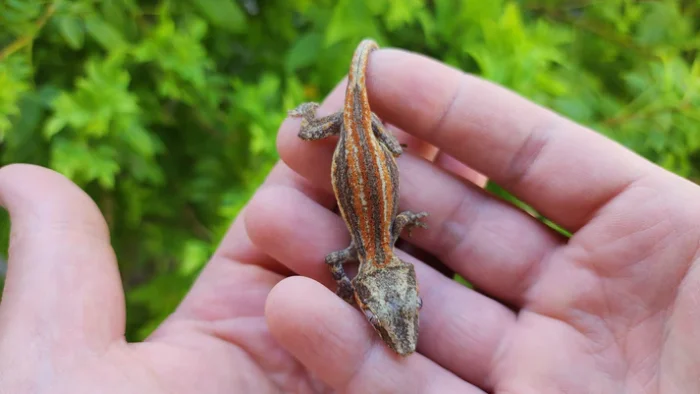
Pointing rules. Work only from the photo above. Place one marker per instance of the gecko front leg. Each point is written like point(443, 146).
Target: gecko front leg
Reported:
point(313, 128)
point(409, 220)
point(335, 261)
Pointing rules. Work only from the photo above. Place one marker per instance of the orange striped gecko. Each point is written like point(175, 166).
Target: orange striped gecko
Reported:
point(365, 181)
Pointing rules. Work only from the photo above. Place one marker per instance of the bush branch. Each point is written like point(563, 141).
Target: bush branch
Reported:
point(25, 40)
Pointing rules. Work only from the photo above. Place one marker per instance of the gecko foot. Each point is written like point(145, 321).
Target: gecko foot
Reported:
point(346, 291)
point(335, 261)
point(408, 220)
point(304, 110)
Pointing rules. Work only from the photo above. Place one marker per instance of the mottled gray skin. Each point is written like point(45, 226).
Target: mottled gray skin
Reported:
point(390, 300)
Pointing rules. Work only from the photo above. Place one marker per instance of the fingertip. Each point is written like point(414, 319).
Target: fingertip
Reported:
point(321, 330)
point(286, 136)
point(47, 194)
point(337, 344)
point(287, 300)
point(17, 175)
point(297, 311)
point(270, 213)
point(61, 266)
point(273, 221)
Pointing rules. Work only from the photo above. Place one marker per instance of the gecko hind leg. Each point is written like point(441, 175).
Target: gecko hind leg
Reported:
point(409, 220)
point(385, 137)
point(313, 128)
point(335, 261)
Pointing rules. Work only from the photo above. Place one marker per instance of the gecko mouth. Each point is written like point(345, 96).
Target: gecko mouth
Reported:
point(400, 338)
point(374, 320)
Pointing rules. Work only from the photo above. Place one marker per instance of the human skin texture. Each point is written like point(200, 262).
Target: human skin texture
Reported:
point(613, 309)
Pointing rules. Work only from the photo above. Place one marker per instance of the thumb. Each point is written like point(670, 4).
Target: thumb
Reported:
point(62, 279)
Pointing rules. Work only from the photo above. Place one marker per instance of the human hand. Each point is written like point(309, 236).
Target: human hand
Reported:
point(62, 317)
point(612, 309)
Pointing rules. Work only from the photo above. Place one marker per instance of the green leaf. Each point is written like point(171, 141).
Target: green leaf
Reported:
point(224, 14)
point(72, 30)
point(53, 126)
point(461, 280)
point(14, 78)
point(83, 163)
point(103, 33)
point(138, 139)
point(116, 13)
point(304, 52)
point(662, 25)
point(402, 13)
point(195, 255)
point(351, 20)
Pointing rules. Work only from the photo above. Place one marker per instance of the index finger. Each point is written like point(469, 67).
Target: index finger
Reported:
point(563, 170)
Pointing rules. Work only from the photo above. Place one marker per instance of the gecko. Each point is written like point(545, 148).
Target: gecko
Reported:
point(365, 180)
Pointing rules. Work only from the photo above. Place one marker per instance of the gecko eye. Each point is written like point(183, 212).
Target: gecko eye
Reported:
point(420, 303)
point(371, 317)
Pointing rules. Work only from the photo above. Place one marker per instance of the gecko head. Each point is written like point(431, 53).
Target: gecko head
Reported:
point(389, 298)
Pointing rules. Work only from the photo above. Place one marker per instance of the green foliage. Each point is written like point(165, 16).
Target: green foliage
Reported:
point(166, 112)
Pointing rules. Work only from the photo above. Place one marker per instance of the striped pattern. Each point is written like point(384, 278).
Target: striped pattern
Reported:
point(364, 171)
point(365, 180)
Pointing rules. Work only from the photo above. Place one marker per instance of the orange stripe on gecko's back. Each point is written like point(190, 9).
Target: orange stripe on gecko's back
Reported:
point(370, 174)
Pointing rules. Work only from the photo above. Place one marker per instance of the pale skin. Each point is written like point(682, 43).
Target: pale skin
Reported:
point(615, 309)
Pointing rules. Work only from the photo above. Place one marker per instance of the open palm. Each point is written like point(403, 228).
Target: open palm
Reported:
point(612, 309)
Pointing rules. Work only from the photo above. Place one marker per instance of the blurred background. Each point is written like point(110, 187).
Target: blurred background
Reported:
point(166, 112)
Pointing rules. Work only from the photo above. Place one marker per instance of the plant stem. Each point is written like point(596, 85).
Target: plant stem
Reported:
point(27, 39)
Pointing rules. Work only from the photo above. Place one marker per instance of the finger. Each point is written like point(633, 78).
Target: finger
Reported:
point(334, 342)
point(283, 211)
point(414, 146)
point(450, 332)
point(496, 246)
point(563, 170)
point(227, 300)
point(62, 278)
point(453, 166)
point(236, 245)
